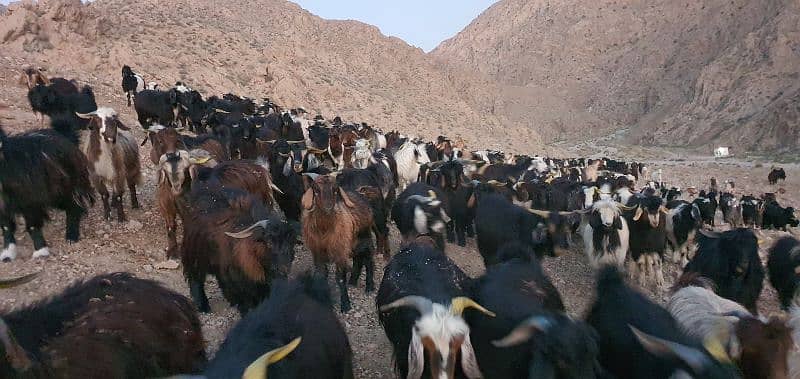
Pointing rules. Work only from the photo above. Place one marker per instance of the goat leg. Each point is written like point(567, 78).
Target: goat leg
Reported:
point(39, 244)
point(451, 235)
point(461, 229)
point(197, 288)
point(134, 198)
point(369, 260)
point(101, 188)
point(116, 202)
point(9, 241)
point(341, 280)
point(73, 232)
point(358, 264)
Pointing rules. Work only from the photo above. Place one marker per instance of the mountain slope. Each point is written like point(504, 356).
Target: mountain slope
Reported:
point(272, 48)
point(674, 73)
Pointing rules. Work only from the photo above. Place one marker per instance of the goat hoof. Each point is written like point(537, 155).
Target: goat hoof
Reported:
point(346, 308)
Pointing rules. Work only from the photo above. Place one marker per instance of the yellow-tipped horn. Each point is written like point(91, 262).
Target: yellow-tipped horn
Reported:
point(431, 194)
point(458, 304)
point(540, 213)
point(199, 160)
point(258, 369)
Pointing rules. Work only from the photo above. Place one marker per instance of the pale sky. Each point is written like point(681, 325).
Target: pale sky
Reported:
point(421, 23)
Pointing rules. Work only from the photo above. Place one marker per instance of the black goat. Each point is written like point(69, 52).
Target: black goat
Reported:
point(283, 165)
point(419, 211)
point(110, 326)
point(639, 339)
point(783, 267)
point(234, 237)
point(41, 170)
point(451, 182)
point(778, 217)
point(730, 259)
point(752, 211)
point(420, 303)
point(648, 240)
point(131, 83)
point(49, 101)
point(156, 107)
point(498, 222)
point(776, 174)
point(707, 204)
point(293, 334)
point(531, 336)
point(683, 222)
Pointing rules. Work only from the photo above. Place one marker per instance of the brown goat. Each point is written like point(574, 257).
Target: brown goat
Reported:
point(341, 142)
point(110, 326)
point(764, 348)
point(113, 159)
point(334, 222)
point(168, 141)
point(176, 172)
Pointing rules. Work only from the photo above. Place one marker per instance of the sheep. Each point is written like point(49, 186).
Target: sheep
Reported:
point(606, 235)
point(113, 159)
point(759, 347)
point(41, 170)
point(110, 326)
point(295, 322)
point(334, 222)
point(420, 304)
point(233, 236)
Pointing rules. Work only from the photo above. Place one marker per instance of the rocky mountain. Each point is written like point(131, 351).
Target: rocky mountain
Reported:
point(669, 73)
point(266, 48)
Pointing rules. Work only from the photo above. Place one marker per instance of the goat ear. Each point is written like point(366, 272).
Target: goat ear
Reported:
point(471, 201)
point(308, 199)
point(468, 360)
point(416, 356)
point(193, 170)
point(346, 198)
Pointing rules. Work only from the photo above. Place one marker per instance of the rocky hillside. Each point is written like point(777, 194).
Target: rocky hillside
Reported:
point(275, 49)
point(671, 73)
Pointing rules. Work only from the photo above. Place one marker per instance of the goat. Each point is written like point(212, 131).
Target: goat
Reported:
point(707, 205)
point(234, 237)
point(292, 334)
point(752, 211)
point(32, 77)
point(156, 107)
point(606, 235)
point(776, 174)
point(131, 83)
point(113, 159)
point(110, 326)
point(531, 336)
point(285, 164)
point(420, 211)
point(409, 158)
point(41, 170)
point(760, 348)
point(167, 140)
point(49, 100)
point(778, 217)
point(334, 222)
point(648, 239)
point(730, 259)
point(451, 183)
point(683, 222)
point(639, 339)
point(783, 267)
point(731, 210)
point(369, 184)
point(420, 304)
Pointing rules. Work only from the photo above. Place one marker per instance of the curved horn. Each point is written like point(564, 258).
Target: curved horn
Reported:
point(496, 183)
point(265, 141)
point(8, 283)
point(540, 213)
point(314, 150)
point(419, 198)
point(86, 115)
point(311, 175)
point(524, 331)
point(625, 208)
point(740, 314)
point(275, 188)
point(421, 304)
point(295, 142)
point(199, 160)
point(249, 231)
point(663, 210)
point(258, 369)
point(459, 304)
point(221, 111)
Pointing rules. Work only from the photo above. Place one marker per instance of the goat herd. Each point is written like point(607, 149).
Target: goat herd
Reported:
point(252, 180)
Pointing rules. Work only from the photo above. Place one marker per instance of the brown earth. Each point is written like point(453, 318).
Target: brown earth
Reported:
point(672, 73)
point(136, 246)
